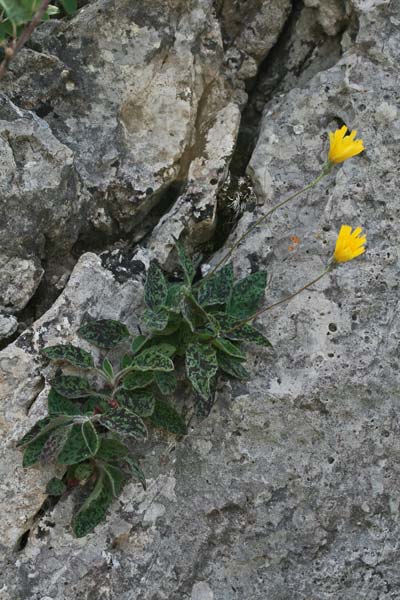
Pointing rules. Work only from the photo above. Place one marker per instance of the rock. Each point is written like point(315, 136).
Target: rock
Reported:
point(19, 279)
point(8, 326)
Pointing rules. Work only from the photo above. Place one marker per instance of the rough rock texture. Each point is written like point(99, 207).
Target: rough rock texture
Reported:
point(288, 490)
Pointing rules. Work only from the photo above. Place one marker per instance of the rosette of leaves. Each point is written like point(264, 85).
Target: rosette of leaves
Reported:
point(89, 429)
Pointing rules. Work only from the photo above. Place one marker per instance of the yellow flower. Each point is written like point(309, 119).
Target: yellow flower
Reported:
point(343, 146)
point(349, 244)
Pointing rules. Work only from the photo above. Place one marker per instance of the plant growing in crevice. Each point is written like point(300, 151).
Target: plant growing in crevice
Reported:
point(194, 330)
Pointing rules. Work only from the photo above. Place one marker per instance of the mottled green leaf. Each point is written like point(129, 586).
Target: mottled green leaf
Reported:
point(155, 320)
point(94, 509)
point(55, 487)
point(116, 477)
point(152, 360)
point(107, 369)
point(42, 426)
point(166, 417)
point(164, 348)
point(217, 289)
point(53, 445)
point(136, 471)
point(33, 451)
point(247, 295)
point(155, 287)
point(245, 333)
point(175, 291)
point(58, 405)
point(111, 449)
point(201, 366)
point(124, 422)
point(140, 402)
point(71, 386)
point(166, 382)
point(229, 348)
point(232, 366)
point(188, 268)
point(136, 380)
point(75, 448)
point(105, 333)
point(70, 354)
point(91, 437)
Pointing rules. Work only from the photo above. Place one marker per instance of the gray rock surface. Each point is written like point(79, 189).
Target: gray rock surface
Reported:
point(288, 490)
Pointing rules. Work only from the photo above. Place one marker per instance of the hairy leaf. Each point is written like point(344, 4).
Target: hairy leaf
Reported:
point(152, 360)
point(53, 445)
point(124, 422)
point(245, 333)
point(188, 268)
point(40, 427)
point(217, 289)
point(33, 451)
point(155, 288)
point(70, 354)
point(247, 295)
point(91, 437)
point(136, 471)
point(58, 405)
point(116, 477)
point(166, 417)
point(94, 509)
point(75, 448)
point(229, 348)
point(55, 487)
point(232, 366)
point(201, 366)
point(105, 333)
point(107, 369)
point(137, 379)
point(140, 402)
point(155, 320)
point(166, 382)
point(175, 291)
point(71, 386)
point(111, 449)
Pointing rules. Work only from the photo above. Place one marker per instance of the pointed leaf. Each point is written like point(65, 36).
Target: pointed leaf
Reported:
point(70, 354)
point(94, 509)
point(105, 333)
point(70, 6)
point(136, 471)
point(188, 268)
point(116, 477)
point(229, 348)
point(124, 422)
point(58, 405)
point(55, 487)
point(141, 402)
point(137, 379)
point(91, 437)
point(201, 366)
point(217, 289)
point(155, 320)
point(111, 449)
point(166, 417)
point(151, 360)
point(138, 343)
point(71, 386)
point(155, 288)
point(75, 448)
point(245, 333)
point(247, 295)
point(107, 368)
point(42, 426)
point(166, 382)
point(232, 366)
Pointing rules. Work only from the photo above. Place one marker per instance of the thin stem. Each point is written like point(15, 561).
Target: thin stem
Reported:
point(325, 171)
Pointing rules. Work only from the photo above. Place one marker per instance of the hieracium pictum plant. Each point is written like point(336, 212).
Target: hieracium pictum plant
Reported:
point(194, 330)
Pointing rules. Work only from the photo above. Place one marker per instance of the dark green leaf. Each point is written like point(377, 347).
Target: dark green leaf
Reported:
point(33, 451)
point(188, 268)
point(104, 333)
point(71, 386)
point(107, 369)
point(232, 366)
point(116, 477)
point(70, 6)
point(217, 289)
point(155, 288)
point(75, 448)
point(166, 382)
point(201, 366)
point(136, 471)
point(94, 509)
point(96, 404)
point(111, 449)
point(55, 487)
point(138, 343)
point(82, 472)
point(141, 402)
point(58, 405)
point(164, 348)
point(151, 360)
point(136, 380)
point(245, 333)
point(53, 445)
point(91, 437)
point(155, 320)
point(247, 295)
point(39, 427)
point(175, 291)
point(166, 417)
point(229, 348)
point(70, 354)
point(124, 422)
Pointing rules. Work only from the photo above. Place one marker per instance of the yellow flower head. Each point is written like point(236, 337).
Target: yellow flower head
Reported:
point(343, 146)
point(349, 244)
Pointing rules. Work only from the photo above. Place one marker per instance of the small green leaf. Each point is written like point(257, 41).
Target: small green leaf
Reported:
point(155, 288)
point(75, 448)
point(141, 402)
point(137, 380)
point(155, 320)
point(94, 509)
point(70, 354)
point(166, 417)
point(232, 366)
point(82, 472)
point(188, 268)
point(229, 348)
point(55, 487)
point(91, 437)
point(166, 382)
point(116, 477)
point(151, 360)
point(58, 405)
point(71, 386)
point(111, 449)
point(104, 333)
point(217, 289)
point(201, 366)
point(136, 471)
point(107, 368)
point(124, 422)
point(70, 6)
point(247, 295)
point(138, 343)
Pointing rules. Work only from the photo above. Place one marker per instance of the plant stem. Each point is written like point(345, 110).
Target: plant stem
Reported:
point(326, 169)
